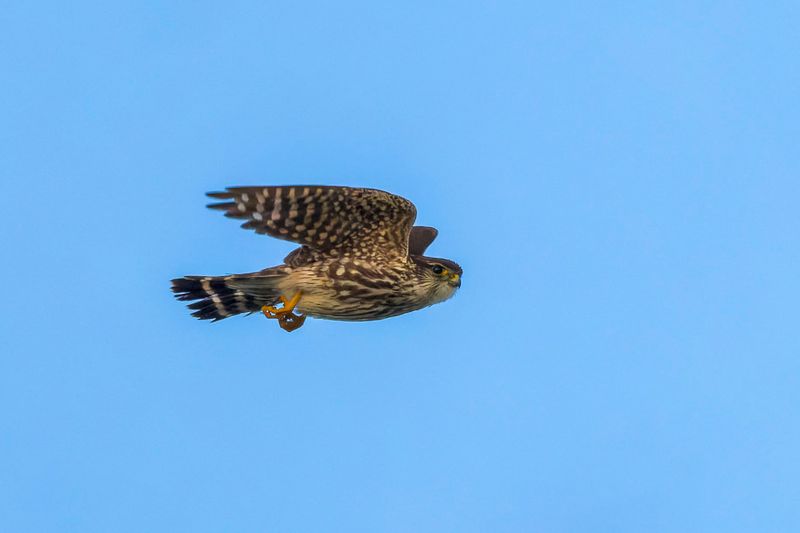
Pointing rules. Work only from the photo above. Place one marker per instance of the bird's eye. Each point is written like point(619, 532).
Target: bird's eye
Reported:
point(437, 269)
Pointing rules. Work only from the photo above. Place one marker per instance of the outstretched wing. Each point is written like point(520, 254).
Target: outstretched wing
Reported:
point(335, 220)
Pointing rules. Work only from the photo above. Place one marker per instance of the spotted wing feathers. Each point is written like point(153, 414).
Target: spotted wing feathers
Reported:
point(323, 219)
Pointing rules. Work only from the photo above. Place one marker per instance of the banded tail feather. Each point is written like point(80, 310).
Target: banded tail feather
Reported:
point(217, 297)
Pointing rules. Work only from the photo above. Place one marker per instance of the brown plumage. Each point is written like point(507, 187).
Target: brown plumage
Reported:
point(360, 257)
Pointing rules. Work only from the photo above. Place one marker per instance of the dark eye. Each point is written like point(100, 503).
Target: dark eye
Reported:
point(437, 269)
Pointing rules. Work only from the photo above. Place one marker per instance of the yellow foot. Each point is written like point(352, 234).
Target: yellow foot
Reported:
point(286, 318)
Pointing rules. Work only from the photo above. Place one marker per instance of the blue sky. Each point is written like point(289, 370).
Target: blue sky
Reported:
point(619, 182)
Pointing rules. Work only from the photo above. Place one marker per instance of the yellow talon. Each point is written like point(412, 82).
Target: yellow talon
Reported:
point(288, 306)
point(271, 312)
point(286, 318)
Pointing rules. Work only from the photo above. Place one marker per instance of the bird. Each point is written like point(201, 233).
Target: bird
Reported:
point(360, 258)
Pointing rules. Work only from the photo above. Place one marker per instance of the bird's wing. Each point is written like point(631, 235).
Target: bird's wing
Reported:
point(421, 237)
point(358, 222)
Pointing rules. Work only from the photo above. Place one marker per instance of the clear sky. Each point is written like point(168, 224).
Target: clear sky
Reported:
point(619, 181)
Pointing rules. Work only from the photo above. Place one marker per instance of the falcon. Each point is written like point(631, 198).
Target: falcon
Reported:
point(360, 258)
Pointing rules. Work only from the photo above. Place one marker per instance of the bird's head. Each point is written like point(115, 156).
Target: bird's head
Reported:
point(440, 278)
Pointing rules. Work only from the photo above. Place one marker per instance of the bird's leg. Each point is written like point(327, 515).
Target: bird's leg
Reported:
point(286, 318)
point(270, 311)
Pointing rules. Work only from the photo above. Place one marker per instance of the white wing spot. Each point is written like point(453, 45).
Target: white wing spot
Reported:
point(258, 216)
point(276, 209)
point(245, 198)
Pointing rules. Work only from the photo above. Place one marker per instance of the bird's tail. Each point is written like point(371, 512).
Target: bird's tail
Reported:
point(217, 297)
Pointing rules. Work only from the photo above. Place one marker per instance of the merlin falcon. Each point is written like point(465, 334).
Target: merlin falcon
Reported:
point(360, 258)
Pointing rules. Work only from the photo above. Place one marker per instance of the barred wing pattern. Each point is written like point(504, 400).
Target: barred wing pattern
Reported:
point(337, 221)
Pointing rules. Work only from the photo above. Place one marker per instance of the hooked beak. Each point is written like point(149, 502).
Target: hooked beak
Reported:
point(455, 280)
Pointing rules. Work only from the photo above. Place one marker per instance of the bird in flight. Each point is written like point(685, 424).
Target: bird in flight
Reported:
point(360, 258)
